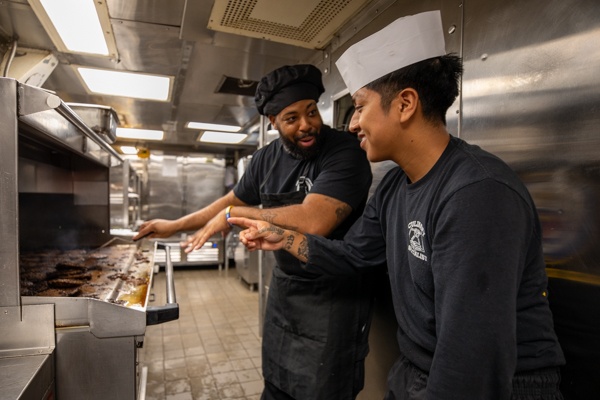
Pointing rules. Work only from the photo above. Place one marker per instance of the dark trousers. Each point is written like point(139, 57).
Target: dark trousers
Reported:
point(407, 382)
point(272, 392)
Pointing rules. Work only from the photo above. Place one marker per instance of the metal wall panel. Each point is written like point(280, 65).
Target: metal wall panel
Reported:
point(531, 95)
point(531, 86)
point(165, 188)
point(204, 182)
point(181, 185)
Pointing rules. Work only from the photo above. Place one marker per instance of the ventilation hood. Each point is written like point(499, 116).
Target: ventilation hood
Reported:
point(307, 23)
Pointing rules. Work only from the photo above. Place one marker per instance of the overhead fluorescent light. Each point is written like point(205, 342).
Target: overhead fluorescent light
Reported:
point(221, 137)
point(129, 150)
point(143, 134)
point(215, 127)
point(126, 84)
point(77, 26)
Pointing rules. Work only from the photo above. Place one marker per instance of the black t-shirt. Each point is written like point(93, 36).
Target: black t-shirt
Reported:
point(340, 171)
point(464, 254)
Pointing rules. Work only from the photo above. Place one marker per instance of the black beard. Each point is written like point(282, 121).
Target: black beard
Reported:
point(301, 153)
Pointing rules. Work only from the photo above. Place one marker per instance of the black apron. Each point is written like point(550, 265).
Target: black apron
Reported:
point(315, 333)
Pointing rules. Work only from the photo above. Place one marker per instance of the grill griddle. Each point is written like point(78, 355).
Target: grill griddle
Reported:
point(117, 274)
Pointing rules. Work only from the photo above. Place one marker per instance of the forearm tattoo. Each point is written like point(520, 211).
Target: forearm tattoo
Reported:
point(303, 249)
point(277, 230)
point(289, 241)
point(342, 212)
point(269, 216)
point(272, 228)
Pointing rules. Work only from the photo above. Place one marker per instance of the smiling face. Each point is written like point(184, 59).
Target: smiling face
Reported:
point(299, 125)
point(376, 129)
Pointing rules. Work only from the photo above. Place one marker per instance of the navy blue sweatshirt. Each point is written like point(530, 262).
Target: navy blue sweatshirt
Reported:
point(464, 253)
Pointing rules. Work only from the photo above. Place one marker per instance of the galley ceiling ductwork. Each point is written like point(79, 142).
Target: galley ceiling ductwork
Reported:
point(308, 23)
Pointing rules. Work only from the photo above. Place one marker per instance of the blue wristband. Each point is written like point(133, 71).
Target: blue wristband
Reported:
point(228, 215)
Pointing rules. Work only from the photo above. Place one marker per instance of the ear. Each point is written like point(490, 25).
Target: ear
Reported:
point(272, 120)
point(407, 103)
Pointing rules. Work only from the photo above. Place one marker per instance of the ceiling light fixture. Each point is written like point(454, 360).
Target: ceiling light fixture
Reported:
point(142, 134)
point(216, 127)
point(77, 26)
point(129, 150)
point(221, 137)
point(126, 84)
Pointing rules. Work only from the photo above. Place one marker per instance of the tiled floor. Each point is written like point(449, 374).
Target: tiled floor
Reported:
point(213, 351)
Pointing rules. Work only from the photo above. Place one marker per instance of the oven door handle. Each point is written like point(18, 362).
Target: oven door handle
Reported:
point(169, 312)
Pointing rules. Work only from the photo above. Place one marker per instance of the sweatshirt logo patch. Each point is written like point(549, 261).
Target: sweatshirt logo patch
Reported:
point(416, 232)
point(304, 184)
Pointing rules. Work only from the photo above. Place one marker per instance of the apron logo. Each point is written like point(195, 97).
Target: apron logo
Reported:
point(415, 241)
point(304, 184)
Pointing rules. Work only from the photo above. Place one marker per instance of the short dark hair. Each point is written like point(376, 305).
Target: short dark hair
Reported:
point(436, 80)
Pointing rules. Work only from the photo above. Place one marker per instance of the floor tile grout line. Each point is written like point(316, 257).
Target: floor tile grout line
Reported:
point(228, 306)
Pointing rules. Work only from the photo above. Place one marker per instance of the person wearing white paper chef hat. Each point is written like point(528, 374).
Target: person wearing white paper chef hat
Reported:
point(407, 57)
point(457, 228)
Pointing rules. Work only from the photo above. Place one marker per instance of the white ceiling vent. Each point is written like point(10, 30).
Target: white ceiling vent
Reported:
point(306, 23)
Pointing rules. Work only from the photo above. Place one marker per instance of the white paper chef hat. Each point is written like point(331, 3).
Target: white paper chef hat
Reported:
point(405, 41)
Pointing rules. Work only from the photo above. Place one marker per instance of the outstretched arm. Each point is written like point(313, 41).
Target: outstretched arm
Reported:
point(162, 228)
point(261, 235)
point(298, 217)
point(211, 219)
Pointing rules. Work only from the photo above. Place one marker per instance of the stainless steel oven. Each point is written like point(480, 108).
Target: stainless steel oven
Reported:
point(74, 301)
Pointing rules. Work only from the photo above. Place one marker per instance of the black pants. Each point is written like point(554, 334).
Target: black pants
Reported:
point(540, 384)
point(410, 383)
point(272, 392)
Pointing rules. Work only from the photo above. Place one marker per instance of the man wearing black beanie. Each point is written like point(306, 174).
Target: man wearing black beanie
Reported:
point(315, 180)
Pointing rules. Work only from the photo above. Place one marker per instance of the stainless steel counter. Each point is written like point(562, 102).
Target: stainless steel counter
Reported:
point(27, 378)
